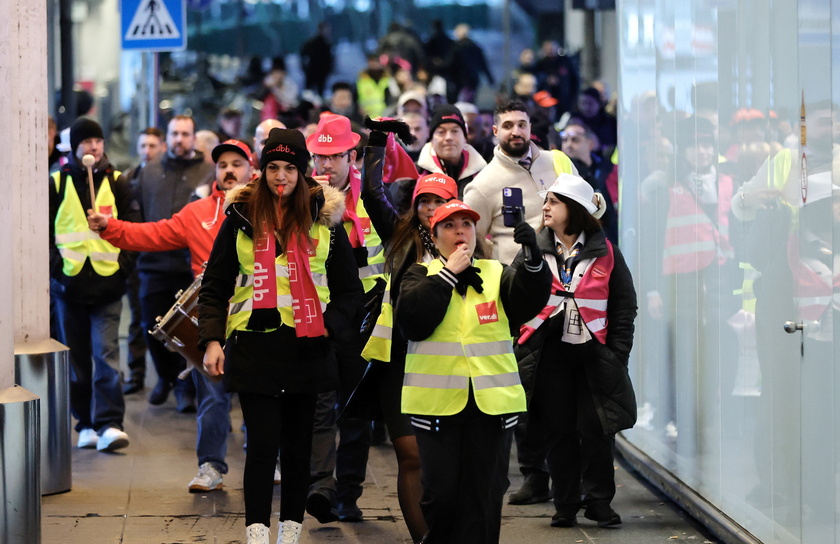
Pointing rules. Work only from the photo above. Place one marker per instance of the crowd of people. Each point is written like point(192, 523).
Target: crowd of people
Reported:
point(362, 263)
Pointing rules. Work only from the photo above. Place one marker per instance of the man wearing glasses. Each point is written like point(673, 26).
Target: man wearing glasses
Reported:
point(334, 498)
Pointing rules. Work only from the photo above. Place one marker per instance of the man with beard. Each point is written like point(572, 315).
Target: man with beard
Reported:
point(517, 162)
point(165, 185)
point(195, 228)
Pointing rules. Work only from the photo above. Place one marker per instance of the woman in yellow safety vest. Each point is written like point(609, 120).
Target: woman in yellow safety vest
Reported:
point(407, 241)
point(461, 386)
point(576, 351)
point(280, 281)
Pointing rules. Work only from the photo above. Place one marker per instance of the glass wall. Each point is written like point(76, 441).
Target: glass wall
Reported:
point(730, 212)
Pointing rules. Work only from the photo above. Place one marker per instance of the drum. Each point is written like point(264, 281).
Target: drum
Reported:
point(178, 329)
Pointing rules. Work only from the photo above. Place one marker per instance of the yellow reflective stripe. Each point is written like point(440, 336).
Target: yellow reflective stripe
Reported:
point(371, 270)
point(496, 380)
point(104, 256)
point(435, 381)
point(76, 237)
point(487, 349)
point(71, 255)
point(435, 348)
point(382, 331)
point(456, 349)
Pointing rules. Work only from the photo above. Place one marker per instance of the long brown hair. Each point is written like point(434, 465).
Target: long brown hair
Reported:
point(291, 218)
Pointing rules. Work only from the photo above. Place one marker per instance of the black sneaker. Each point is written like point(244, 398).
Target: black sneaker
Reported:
point(535, 490)
point(319, 506)
point(603, 514)
point(160, 393)
point(349, 511)
point(133, 385)
point(564, 519)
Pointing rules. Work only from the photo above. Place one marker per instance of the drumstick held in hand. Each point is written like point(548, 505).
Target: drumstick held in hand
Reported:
point(89, 161)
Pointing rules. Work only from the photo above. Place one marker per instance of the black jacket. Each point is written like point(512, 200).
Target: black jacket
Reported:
point(164, 186)
point(424, 300)
point(88, 286)
point(271, 362)
point(607, 373)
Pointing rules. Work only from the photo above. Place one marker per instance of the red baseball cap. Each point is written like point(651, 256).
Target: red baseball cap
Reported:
point(436, 184)
point(451, 208)
point(232, 145)
point(332, 136)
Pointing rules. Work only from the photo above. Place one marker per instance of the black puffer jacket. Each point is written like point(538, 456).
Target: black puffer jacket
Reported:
point(272, 362)
point(609, 380)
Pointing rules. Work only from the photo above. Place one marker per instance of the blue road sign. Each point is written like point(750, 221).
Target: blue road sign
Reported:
point(153, 25)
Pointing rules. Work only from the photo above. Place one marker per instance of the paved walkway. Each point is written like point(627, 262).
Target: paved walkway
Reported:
point(140, 497)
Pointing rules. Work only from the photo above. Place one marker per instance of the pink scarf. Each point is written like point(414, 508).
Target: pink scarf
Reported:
point(357, 233)
point(306, 305)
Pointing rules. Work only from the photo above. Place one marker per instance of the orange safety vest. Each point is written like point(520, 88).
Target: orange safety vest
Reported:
point(590, 297)
point(692, 241)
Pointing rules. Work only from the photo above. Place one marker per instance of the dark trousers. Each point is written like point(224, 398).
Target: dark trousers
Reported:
point(136, 334)
point(283, 424)
point(157, 295)
point(91, 332)
point(465, 465)
point(580, 456)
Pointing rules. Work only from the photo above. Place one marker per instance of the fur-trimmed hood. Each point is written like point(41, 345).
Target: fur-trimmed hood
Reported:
point(327, 203)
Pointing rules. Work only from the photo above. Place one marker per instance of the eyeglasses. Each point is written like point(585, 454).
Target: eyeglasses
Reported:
point(331, 158)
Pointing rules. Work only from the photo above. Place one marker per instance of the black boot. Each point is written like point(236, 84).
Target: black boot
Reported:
point(533, 491)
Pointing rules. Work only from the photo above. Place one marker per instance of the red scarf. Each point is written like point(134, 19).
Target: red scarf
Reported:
point(357, 232)
point(306, 305)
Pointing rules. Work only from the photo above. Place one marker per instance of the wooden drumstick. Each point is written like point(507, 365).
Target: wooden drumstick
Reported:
point(88, 160)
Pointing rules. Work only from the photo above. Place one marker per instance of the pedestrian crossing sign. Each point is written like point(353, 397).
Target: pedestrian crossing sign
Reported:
point(153, 25)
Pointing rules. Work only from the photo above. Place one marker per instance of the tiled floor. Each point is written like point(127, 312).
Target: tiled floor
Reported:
point(140, 497)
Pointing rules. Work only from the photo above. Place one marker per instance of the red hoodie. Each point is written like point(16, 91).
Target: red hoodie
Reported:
point(194, 227)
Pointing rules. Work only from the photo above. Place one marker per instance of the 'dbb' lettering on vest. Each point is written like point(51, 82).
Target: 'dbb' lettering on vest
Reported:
point(325, 138)
point(487, 312)
point(260, 276)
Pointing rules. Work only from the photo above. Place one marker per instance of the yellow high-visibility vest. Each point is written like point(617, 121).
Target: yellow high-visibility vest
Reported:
point(471, 346)
point(241, 304)
point(74, 239)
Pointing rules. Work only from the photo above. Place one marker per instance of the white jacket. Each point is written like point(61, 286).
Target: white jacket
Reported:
point(484, 195)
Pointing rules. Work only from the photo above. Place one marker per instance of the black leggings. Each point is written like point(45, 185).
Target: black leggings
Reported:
point(277, 423)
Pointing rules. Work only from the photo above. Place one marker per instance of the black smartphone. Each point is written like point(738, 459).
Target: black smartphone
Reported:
point(512, 208)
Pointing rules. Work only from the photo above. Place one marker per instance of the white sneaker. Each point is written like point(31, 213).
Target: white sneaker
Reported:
point(289, 532)
point(208, 479)
point(257, 533)
point(87, 439)
point(112, 439)
point(276, 476)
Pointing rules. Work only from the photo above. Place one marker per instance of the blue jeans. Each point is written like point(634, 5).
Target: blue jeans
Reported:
point(213, 420)
point(91, 332)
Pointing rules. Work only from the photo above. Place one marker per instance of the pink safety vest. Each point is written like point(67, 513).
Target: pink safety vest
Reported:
point(692, 242)
point(591, 297)
point(815, 289)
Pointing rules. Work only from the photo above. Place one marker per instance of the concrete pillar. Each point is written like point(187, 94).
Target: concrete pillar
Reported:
point(24, 261)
